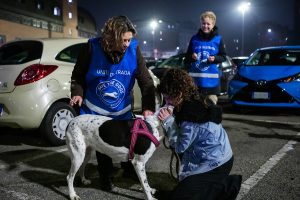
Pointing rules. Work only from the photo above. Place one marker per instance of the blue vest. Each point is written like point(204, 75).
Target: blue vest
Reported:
point(109, 85)
point(204, 74)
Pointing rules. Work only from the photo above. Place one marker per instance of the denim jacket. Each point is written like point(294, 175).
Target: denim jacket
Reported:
point(205, 146)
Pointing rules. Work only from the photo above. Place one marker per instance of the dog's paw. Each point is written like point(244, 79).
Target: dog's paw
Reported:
point(86, 181)
point(75, 197)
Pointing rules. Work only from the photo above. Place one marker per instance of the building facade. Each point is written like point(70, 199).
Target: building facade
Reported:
point(21, 19)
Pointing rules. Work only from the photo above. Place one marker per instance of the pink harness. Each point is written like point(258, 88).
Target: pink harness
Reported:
point(136, 130)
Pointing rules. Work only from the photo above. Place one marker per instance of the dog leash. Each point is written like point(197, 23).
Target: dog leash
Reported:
point(136, 130)
point(177, 163)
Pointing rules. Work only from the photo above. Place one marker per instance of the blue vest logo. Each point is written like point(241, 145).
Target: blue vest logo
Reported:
point(111, 93)
point(201, 62)
point(202, 56)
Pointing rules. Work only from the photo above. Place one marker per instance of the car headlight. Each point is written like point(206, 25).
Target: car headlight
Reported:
point(291, 78)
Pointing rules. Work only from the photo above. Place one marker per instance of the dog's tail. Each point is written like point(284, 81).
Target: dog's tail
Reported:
point(68, 129)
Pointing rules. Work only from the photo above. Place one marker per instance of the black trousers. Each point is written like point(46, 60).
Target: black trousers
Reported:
point(105, 166)
point(216, 184)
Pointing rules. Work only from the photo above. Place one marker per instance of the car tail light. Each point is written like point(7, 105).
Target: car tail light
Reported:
point(34, 73)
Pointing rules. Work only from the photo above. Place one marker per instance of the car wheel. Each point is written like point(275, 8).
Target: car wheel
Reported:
point(55, 122)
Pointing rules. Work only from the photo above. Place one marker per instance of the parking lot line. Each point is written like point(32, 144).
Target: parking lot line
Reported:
point(43, 155)
point(265, 168)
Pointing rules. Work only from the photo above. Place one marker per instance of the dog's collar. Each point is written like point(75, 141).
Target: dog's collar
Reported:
point(136, 130)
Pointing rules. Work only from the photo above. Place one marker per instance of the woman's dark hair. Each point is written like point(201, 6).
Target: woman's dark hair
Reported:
point(113, 30)
point(178, 82)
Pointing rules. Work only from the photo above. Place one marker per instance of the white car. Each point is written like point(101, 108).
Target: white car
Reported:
point(35, 80)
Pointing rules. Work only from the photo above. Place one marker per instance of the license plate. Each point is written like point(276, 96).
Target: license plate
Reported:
point(1, 109)
point(260, 95)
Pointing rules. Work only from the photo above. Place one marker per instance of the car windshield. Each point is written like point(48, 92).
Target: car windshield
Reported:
point(20, 52)
point(275, 57)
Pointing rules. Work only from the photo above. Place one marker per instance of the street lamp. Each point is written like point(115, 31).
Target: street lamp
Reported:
point(243, 7)
point(153, 25)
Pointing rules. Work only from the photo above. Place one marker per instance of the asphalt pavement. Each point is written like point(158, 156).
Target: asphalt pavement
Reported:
point(265, 145)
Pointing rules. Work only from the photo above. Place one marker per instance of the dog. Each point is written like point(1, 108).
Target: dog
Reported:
point(110, 137)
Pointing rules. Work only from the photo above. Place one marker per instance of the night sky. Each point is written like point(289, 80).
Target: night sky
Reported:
point(189, 10)
point(229, 19)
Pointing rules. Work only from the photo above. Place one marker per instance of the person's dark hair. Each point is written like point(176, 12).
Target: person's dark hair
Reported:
point(195, 107)
point(176, 82)
point(113, 30)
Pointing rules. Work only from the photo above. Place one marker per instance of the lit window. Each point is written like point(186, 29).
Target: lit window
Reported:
point(70, 15)
point(57, 11)
point(40, 6)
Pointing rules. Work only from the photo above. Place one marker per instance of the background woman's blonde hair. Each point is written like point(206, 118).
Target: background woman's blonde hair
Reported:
point(210, 15)
point(113, 30)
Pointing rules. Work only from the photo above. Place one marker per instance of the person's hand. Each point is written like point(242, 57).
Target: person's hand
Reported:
point(194, 56)
point(164, 113)
point(147, 113)
point(76, 100)
point(211, 59)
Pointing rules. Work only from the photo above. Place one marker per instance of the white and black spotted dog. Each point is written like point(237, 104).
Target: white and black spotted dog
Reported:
point(113, 138)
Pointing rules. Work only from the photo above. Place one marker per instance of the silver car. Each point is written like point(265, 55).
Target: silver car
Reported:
point(35, 85)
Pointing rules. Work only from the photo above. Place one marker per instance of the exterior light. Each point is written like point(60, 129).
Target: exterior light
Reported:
point(243, 7)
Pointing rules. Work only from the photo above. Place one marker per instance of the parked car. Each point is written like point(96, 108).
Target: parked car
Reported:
point(227, 69)
point(269, 78)
point(239, 60)
point(35, 85)
point(152, 62)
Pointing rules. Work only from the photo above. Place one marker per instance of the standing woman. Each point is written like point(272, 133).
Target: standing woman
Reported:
point(103, 79)
point(205, 51)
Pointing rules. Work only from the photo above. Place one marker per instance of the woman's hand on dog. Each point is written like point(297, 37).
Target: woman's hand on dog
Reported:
point(164, 113)
point(76, 100)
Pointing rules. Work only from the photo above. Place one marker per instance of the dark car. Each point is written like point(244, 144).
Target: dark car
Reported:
point(239, 60)
point(150, 62)
point(153, 62)
point(269, 78)
point(227, 69)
